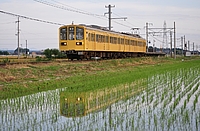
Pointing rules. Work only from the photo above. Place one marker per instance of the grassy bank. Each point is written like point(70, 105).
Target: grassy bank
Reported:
point(19, 80)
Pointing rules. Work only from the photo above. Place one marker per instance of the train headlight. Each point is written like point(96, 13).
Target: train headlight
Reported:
point(78, 99)
point(64, 44)
point(78, 43)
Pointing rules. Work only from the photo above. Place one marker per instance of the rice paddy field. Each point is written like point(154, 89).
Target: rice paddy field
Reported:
point(163, 96)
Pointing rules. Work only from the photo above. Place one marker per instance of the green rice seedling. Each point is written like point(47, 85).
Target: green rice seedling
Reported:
point(197, 121)
point(155, 121)
point(185, 102)
point(195, 102)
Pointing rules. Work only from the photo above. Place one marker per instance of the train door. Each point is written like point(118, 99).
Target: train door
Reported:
point(108, 43)
point(87, 41)
point(119, 44)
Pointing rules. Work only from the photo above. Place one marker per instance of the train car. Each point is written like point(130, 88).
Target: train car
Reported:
point(86, 42)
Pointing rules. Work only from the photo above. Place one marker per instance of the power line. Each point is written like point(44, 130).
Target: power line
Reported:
point(74, 8)
point(126, 21)
point(26, 17)
point(7, 23)
point(68, 9)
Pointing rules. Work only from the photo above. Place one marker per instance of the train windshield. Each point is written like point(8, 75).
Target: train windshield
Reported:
point(79, 33)
point(71, 33)
point(63, 34)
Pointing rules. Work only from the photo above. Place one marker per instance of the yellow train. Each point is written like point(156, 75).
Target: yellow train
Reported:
point(86, 42)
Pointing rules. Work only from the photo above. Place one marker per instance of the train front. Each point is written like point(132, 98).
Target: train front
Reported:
point(71, 41)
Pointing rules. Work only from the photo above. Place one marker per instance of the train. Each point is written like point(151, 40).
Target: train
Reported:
point(96, 42)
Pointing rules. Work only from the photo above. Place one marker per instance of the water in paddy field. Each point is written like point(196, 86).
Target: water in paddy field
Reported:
point(167, 101)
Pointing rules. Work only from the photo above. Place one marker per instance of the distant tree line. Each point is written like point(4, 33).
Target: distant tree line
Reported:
point(4, 53)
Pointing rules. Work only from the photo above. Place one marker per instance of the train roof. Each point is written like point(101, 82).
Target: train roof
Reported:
point(106, 29)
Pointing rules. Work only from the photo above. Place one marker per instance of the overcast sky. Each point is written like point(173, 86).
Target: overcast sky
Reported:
point(186, 14)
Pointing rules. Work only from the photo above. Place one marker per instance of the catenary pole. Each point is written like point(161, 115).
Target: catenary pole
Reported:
point(171, 44)
point(109, 16)
point(174, 41)
point(147, 35)
point(182, 46)
point(18, 38)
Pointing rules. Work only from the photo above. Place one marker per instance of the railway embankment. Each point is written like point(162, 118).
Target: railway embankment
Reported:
point(28, 78)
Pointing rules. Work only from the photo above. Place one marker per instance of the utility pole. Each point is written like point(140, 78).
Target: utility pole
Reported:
point(18, 37)
point(109, 15)
point(165, 44)
point(171, 44)
point(182, 46)
point(184, 42)
point(193, 48)
point(147, 35)
point(174, 41)
point(26, 49)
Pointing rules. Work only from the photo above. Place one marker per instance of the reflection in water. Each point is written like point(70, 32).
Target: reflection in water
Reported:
point(75, 104)
point(169, 102)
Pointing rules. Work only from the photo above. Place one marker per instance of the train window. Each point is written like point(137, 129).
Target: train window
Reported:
point(139, 43)
point(126, 42)
point(122, 41)
point(92, 37)
point(107, 39)
point(71, 33)
point(119, 41)
point(131, 43)
point(134, 43)
point(115, 40)
point(103, 38)
point(63, 34)
point(111, 39)
point(97, 38)
point(79, 33)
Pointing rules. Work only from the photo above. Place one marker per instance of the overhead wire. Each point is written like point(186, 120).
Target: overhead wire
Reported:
point(7, 23)
point(76, 8)
point(68, 9)
point(125, 21)
point(26, 17)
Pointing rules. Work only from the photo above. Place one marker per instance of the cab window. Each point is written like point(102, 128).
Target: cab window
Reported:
point(79, 33)
point(63, 34)
point(71, 33)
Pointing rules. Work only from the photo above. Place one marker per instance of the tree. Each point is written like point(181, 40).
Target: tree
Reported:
point(55, 52)
point(48, 53)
